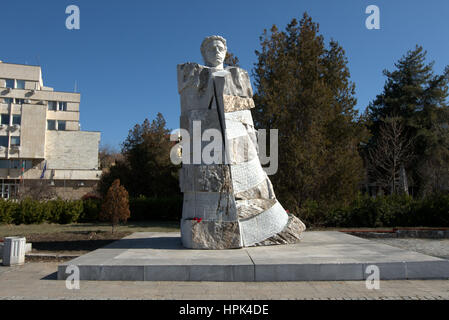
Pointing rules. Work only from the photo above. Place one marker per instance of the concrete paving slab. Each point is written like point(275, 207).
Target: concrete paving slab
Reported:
point(321, 256)
point(36, 280)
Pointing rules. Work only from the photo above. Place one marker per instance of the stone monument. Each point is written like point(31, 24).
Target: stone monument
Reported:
point(229, 204)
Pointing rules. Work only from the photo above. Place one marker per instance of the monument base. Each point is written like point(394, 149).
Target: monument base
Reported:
point(328, 255)
point(213, 235)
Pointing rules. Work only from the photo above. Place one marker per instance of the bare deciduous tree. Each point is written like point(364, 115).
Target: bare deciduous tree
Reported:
point(37, 190)
point(389, 157)
point(108, 156)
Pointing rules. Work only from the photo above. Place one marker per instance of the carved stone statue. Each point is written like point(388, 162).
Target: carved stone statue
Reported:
point(230, 204)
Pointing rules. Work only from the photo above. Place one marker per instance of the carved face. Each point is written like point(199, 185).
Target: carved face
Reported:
point(215, 53)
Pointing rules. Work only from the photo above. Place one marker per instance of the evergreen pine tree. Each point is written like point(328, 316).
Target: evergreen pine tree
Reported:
point(115, 207)
point(303, 90)
point(417, 96)
point(146, 169)
point(147, 152)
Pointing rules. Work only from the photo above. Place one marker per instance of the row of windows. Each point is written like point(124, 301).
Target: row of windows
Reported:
point(59, 125)
point(20, 84)
point(15, 84)
point(13, 100)
point(16, 119)
point(16, 164)
point(52, 105)
point(15, 141)
point(57, 106)
point(9, 190)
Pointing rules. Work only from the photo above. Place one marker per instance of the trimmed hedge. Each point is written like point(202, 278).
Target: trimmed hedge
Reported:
point(365, 211)
point(91, 210)
point(382, 211)
point(144, 209)
point(9, 211)
point(30, 211)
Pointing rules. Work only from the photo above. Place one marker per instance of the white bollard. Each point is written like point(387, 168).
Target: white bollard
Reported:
point(14, 251)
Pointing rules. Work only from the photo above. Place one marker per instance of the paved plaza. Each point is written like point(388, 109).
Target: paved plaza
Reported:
point(38, 281)
point(320, 256)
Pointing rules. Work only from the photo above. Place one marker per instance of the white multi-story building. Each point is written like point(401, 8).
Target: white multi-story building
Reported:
point(40, 137)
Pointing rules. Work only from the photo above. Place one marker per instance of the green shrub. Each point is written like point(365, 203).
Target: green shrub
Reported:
point(72, 211)
point(364, 211)
point(398, 210)
point(8, 211)
point(432, 211)
point(91, 210)
point(55, 210)
point(30, 212)
point(382, 211)
point(312, 213)
point(338, 217)
point(144, 209)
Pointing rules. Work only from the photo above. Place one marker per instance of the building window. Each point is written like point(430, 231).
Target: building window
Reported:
point(20, 101)
point(4, 164)
point(8, 100)
point(4, 141)
point(20, 84)
point(52, 105)
point(17, 119)
point(62, 106)
point(9, 189)
point(51, 124)
point(16, 164)
point(28, 164)
point(15, 141)
point(57, 105)
point(4, 119)
point(61, 125)
point(10, 83)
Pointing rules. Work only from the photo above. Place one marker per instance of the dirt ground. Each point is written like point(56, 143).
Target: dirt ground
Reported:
point(76, 239)
point(51, 242)
point(74, 242)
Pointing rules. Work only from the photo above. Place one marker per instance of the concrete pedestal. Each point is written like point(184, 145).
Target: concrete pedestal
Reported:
point(319, 256)
point(13, 251)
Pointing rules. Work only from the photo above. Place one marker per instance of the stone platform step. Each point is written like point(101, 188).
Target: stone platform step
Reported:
point(320, 256)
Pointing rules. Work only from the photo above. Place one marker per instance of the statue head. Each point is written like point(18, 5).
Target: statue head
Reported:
point(214, 51)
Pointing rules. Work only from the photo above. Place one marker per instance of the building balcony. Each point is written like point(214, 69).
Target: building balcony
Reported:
point(40, 95)
point(51, 174)
point(14, 127)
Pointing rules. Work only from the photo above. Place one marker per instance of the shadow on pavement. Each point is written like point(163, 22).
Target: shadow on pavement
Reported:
point(165, 243)
point(51, 276)
point(77, 245)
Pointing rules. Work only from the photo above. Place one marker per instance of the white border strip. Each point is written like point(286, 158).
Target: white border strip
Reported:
point(264, 225)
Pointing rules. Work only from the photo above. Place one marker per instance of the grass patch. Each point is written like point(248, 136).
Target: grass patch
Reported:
point(48, 228)
point(79, 238)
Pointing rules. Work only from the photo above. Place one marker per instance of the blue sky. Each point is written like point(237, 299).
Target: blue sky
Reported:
point(124, 56)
